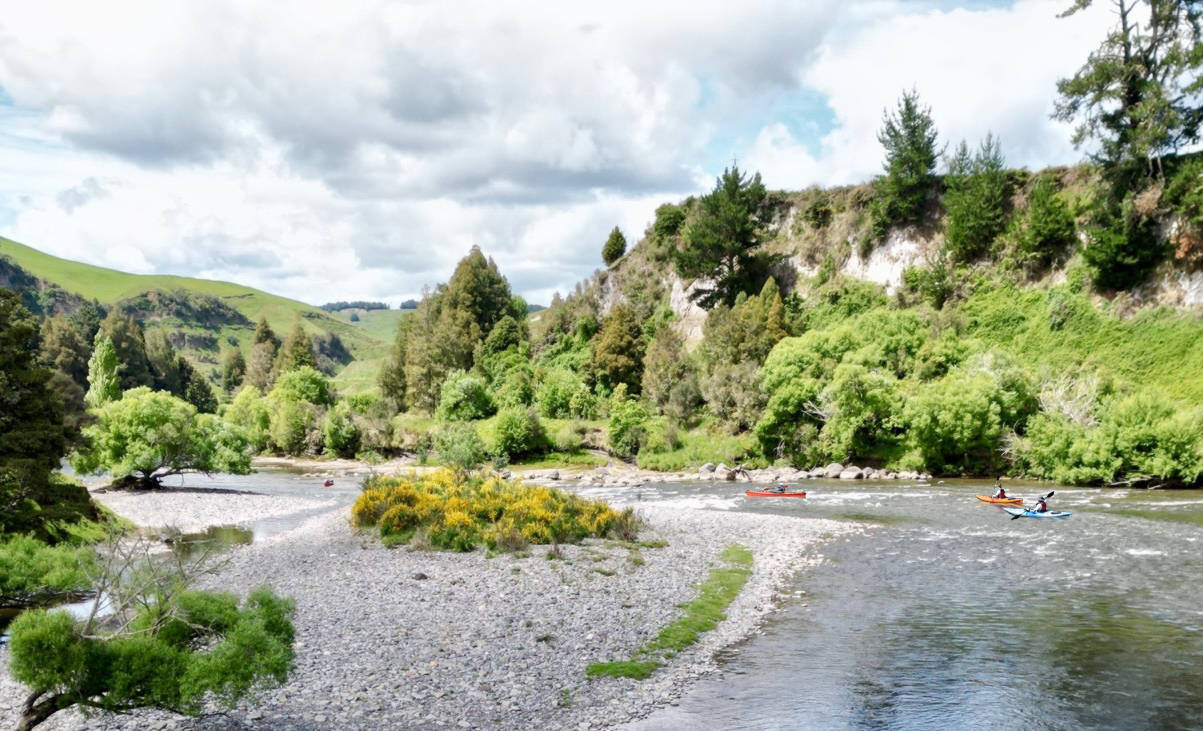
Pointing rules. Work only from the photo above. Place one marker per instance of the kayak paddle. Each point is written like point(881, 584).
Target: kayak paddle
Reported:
point(1046, 497)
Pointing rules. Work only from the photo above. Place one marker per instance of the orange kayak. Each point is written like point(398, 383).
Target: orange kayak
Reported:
point(1001, 501)
point(751, 493)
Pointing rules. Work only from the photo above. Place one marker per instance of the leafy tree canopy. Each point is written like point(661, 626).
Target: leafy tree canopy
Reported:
point(151, 434)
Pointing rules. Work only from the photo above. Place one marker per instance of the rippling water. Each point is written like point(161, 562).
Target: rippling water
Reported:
point(947, 614)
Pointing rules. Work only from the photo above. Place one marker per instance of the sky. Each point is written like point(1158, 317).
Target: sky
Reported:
point(356, 150)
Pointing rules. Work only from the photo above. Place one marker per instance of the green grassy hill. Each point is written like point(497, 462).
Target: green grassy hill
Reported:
point(380, 323)
point(109, 287)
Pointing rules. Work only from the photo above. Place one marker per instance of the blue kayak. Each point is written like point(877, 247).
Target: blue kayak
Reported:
point(1033, 514)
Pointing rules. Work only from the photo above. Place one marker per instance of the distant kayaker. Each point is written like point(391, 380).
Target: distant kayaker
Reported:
point(1000, 492)
point(1041, 506)
point(779, 488)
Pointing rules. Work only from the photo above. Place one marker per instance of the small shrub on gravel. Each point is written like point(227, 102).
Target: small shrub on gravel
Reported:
point(500, 514)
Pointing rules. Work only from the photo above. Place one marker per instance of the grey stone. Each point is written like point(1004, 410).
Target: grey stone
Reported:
point(708, 467)
point(833, 470)
point(852, 473)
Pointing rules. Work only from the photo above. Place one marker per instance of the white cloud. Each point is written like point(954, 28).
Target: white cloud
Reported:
point(979, 71)
point(357, 149)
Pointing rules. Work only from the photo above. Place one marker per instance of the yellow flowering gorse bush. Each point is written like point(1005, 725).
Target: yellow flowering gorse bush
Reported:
point(491, 511)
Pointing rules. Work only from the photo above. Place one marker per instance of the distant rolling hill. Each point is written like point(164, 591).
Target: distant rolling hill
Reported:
point(381, 323)
point(156, 300)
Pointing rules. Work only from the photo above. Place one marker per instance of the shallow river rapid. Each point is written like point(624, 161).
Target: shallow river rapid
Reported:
point(947, 614)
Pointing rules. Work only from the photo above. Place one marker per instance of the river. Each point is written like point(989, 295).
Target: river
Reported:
point(947, 614)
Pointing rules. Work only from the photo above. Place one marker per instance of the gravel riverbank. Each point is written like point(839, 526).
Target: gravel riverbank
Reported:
point(416, 640)
point(192, 510)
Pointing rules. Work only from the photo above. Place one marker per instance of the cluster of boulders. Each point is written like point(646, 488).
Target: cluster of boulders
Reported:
point(835, 470)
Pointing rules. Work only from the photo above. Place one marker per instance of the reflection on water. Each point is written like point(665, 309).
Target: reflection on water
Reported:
point(216, 538)
point(947, 614)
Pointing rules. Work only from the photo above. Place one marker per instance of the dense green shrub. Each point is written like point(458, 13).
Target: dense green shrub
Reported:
point(830, 302)
point(733, 393)
point(667, 367)
point(1048, 228)
point(251, 413)
point(1144, 438)
point(515, 389)
point(618, 349)
point(1124, 245)
point(627, 427)
point(934, 283)
point(293, 426)
point(957, 423)
point(862, 407)
point(464, 398)
point(515, 432)
point(341, 434)
point(304, 383)
point(669, 219)
point(29, 568)
point(460, 447)
point(555, 392)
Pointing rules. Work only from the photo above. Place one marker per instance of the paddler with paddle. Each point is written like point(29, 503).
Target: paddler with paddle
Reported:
point(1000, 493)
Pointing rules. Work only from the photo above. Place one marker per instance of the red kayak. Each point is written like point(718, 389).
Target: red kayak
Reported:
point(751, 493)
point(328, 483)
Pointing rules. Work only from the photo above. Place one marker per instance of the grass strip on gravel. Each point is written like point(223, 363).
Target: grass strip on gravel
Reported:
point(701, 615)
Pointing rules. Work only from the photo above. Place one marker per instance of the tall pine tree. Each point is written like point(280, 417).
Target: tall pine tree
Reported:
point(130, 345)
point(31, 427)
point(720, 244)
point(615, 247)
point(296, 351)
point(104, 380)
point(909, 138)
point(975, 200)
point(261, 368)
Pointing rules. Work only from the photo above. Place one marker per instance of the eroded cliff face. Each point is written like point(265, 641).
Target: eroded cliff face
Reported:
point(803, 244)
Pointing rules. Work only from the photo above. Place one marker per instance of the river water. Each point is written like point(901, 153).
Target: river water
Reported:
point(947, 614)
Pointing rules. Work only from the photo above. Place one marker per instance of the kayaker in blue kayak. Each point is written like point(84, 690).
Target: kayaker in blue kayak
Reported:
point(1041, 506)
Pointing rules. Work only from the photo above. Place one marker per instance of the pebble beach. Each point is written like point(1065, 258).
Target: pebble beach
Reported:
point(410, 639)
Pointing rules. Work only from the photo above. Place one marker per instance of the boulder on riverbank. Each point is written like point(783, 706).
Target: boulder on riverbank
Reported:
point(833, 470)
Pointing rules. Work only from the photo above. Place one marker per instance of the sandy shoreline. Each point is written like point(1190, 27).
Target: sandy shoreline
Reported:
point(478, 642)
